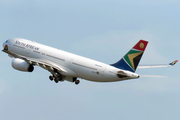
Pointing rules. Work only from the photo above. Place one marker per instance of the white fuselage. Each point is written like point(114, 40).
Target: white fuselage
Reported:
point(76, 66)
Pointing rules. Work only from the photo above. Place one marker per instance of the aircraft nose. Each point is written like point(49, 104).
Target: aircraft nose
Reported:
point(5, 45)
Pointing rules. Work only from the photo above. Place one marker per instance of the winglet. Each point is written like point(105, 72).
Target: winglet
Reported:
point(173, 63)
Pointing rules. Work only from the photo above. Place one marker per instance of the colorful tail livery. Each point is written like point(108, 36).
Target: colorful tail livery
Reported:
point(173, 63)
point(131, 60)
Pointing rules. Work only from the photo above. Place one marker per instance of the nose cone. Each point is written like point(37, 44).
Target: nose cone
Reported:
point(5, 46)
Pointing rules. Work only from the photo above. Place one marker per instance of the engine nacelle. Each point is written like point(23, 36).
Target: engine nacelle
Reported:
point(22, 65)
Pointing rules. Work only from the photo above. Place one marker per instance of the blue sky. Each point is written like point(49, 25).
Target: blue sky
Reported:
point(103, 30)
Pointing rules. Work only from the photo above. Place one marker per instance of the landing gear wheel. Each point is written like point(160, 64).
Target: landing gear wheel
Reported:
point(77, 82)
point(51, 78)
point(56, 80)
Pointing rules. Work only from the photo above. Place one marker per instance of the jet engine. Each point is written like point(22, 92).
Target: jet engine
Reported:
point(22, 65)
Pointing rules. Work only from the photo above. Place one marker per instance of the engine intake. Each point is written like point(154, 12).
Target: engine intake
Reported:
point(22, 65)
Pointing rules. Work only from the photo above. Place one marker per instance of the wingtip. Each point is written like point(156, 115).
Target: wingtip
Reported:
point(174, 62)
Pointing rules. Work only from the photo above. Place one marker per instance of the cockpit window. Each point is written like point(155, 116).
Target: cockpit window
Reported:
point(6, 41)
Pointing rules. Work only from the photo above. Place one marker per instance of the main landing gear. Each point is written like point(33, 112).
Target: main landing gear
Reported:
point(56, 80)
point(51, 78)
point(58, 77)
point(77, 82)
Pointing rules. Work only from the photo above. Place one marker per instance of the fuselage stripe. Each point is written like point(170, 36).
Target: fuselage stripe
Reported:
point(55, 57)
point(84, 66)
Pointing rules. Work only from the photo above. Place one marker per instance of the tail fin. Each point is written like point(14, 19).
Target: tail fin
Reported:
point(131, 60)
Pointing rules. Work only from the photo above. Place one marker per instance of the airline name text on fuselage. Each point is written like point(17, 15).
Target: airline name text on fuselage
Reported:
point(26, 45)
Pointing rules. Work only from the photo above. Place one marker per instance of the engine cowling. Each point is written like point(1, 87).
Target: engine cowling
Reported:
point(22, 65)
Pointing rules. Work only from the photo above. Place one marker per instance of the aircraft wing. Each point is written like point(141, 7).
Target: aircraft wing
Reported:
point(44, 64)
point(155, 66)
point(39, 62)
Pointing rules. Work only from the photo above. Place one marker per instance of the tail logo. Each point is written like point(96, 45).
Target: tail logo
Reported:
point(141, 45)
point(134, 55)
point(131, 60)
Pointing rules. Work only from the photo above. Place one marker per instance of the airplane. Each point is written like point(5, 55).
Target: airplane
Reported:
point(67, 66)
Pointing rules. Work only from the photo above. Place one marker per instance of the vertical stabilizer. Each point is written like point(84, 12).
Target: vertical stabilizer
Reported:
point(131, 60)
